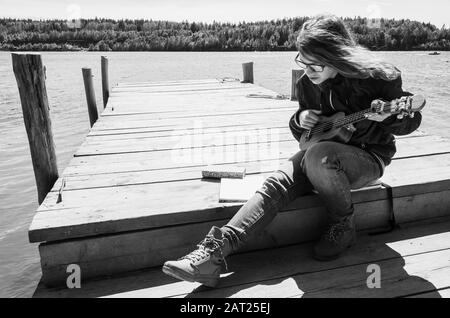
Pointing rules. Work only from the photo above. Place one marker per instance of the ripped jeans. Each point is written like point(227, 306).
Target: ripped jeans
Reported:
point(331, 168)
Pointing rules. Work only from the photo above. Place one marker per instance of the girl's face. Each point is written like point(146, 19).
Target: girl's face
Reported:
point(316, 72)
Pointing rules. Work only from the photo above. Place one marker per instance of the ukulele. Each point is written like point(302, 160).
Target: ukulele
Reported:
point(338, 127)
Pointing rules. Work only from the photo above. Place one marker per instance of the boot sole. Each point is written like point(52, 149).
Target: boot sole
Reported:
point(181, 275)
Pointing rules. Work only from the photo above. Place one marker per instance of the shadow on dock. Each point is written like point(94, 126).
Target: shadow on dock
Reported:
point(404, 257)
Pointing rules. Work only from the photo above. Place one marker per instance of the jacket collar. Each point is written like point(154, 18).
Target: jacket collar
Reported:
point(338, 80)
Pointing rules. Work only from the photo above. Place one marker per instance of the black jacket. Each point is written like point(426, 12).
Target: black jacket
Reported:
point(350, 96)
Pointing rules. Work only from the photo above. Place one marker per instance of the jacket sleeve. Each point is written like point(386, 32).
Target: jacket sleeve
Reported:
point(294, 122)
point(392, 90)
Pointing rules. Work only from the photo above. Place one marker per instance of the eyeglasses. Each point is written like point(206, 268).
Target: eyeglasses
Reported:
point(314, 67)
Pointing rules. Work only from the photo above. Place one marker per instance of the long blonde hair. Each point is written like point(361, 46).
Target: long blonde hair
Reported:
point(329, 41)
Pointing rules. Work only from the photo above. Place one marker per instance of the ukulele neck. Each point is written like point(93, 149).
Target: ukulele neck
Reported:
point(350, 119)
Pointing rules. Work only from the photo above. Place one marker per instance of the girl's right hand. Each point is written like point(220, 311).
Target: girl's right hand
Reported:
point(309, 118)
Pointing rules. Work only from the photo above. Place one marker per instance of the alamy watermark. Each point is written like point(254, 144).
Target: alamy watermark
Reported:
point(74, 279)
point(374, 279)
point(207, 145)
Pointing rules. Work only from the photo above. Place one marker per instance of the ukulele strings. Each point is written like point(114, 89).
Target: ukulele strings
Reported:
point(344, 121)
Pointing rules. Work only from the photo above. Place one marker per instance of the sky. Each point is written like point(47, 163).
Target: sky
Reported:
point(435, 11)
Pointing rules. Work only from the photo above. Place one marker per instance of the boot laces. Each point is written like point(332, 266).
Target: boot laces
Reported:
point(335, 231)
point(205, 248)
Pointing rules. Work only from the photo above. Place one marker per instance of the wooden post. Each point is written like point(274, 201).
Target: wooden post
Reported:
point(247, 69)
point(30, 77)
point(90, 95)
point(105, 80)
point(296, 74)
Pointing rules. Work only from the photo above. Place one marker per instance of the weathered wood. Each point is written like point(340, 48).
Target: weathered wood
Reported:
point(247, 69)
point(426, 206)
point(105, 80)
point(209, 120)
point(213, 144)
point(90, 95)
point(82, 212)
point(115, 215)
point(405, 172)
point(137, 250)
point(278, 263)
point(296, 74)
point(439, 293)
point(167, 109)
point(30, 77)
point(169, 83)
point(177, 90)
point(144, 133)
point(189, 150)
point(350, 281)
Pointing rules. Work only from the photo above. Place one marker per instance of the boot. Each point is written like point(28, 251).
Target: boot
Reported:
point(204, 264)
point(337, 238)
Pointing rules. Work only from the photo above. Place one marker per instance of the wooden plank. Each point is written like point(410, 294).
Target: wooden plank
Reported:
point(186, 85)
point(205, 144)
point(427, 205)
point(219, 133)
point(162, 160)
point(128, 208)
point(122, 196)
point(167, 83)
point(133, 108)
point(415, 175)
point(118, 253)
point(115, 122)
point(199, 139)
point(161, 131)
point(350, 282)
point(176, 89)
point(91, 146)
point(264, 112)
point(406, 173)
point(211, 95)
point(278, 263)
point(144, 133)
point(174, 129)
point(197, 156)
point(439, 293)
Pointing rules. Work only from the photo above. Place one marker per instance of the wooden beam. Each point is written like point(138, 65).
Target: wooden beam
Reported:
point(90, 95)
point(30, 77)
point(247, 69)
point(105, 80)
point(296, 74)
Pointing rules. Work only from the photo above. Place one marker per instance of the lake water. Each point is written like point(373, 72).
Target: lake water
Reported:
point(19, 260)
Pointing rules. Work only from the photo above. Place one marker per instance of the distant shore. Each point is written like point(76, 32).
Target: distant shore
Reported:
point(147, 35)
point(84, 50)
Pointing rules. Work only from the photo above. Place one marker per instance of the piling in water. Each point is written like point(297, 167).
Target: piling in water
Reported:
point(105, 80)
point(90, 95)
point(30, 77)
point(247, 69)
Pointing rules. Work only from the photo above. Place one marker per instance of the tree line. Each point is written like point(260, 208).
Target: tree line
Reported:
point(148, 35)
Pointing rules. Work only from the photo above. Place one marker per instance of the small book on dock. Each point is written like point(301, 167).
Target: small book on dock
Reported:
point(218, 172)
point(239, 190)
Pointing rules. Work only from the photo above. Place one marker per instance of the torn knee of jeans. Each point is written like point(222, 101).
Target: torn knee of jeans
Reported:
point(330, 162)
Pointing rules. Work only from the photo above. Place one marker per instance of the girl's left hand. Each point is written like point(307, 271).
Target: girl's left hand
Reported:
point(377, 117)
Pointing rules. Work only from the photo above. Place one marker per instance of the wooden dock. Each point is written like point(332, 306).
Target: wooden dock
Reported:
point(133, 196)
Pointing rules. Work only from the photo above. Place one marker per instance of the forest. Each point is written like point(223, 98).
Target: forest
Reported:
point(148, 35)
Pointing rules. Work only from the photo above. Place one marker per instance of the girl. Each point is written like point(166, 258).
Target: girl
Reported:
point(340, 76)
